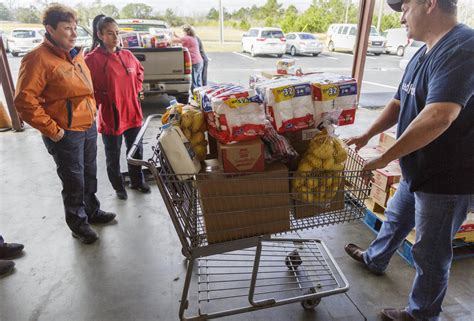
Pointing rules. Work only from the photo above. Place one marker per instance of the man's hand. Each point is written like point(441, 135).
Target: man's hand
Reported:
point(358, 141)
point(371, 165)
point(59, 136)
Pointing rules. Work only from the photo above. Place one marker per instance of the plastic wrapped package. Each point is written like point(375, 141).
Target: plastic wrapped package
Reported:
point(289, 104)
point(237, 115)
point(277, 147)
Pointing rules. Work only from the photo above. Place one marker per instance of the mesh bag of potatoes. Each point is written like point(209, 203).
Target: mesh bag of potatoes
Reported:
point(319, 178)
point(192, 123)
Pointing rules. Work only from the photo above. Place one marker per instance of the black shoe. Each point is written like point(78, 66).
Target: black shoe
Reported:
point(85, 234)
point(102, 217)
point(396, 315)
point(10, 250)
point(357, 254)
point(122, 195)
point(6, 267)
point(144, 188)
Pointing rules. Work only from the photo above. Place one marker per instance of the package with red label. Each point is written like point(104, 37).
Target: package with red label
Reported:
point(335, 98)
point(236, 115)
point(289, 104)
point(130, 40)
point(203, 95)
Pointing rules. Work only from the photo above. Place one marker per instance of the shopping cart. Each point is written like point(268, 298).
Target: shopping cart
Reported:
point(237, 228)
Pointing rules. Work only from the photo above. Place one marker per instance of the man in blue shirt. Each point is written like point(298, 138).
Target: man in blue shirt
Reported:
point(434, 110)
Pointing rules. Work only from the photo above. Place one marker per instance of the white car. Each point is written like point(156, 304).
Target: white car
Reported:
point(264, 41)
point(410, 51)
point(84, 38)
point(343, 37)
point(397, 40)
point(22, 40)
point(303, 43)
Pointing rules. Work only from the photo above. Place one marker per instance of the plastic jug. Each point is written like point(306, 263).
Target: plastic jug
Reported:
point(179, 152)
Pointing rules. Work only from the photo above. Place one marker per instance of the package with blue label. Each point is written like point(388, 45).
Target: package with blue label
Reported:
point(289, 103)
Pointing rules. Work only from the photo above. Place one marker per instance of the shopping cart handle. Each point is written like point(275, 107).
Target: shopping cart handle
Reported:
point(136, 143)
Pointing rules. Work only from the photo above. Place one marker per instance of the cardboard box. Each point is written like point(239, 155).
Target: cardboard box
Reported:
point(247, 156)
point(393, 189)
point(379, 196)
point(369, 152)
point(300, 140)
point(241, 206)
point(387, 139)
point(387, 176)
point(303, 210)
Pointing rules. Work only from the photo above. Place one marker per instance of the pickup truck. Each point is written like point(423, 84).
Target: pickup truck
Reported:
point(167, 70)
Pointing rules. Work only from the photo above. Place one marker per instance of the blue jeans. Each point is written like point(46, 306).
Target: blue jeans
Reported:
point(197, 75)
point(113, 145)
point(75, 157)
point(437, 219)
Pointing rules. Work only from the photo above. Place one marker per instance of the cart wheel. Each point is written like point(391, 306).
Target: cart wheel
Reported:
point(293, 260)
point(312, 303)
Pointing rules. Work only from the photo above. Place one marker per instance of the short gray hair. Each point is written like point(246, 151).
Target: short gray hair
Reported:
point(447, 6)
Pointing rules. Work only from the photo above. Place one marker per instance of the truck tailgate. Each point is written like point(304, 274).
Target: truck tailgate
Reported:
point(168, 63)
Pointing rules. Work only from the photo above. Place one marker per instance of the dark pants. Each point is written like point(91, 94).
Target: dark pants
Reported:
point(204, 73)
point(75, 156)
point(113, 145)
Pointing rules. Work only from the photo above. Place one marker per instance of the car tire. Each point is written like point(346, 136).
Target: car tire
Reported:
point(315, 54)
point(331, 46)
point(400, 51)
point(377, 53)
point(15, 54)
point(252, 52)
point(280, 55)
point(293, 51)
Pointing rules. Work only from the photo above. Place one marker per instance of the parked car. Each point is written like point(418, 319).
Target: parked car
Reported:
point(410, 51)
point(396, 41)
point(261, 41)
point(84, 38)
point(343, 38)
point(303, 43)
point(22, 40)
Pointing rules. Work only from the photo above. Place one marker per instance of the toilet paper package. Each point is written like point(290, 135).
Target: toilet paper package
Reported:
point(236, 115)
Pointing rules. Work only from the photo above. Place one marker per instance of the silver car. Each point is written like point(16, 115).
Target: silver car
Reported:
point(410, 51)
point(303, 43)
point(23, 40)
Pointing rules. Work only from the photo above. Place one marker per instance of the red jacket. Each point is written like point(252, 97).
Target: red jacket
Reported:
point(117, 79)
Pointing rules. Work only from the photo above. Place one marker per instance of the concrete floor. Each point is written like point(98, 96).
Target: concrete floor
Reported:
point(136, 271)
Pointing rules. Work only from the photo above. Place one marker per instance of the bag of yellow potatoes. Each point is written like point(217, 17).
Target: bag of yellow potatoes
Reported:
point(193, 125)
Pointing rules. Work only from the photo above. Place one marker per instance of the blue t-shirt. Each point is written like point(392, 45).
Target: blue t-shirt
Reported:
point(444, 74)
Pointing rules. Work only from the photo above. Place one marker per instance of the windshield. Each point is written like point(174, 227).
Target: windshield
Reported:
point(139, 27)
point(373, 31)
point(272, 34)
point(307, 36)
point(23, 34)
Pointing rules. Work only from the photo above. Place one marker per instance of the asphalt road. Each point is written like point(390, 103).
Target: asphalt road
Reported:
point(381, 77)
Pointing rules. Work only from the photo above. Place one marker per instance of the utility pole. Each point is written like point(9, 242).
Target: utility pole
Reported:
point(379, 21)
point(221, 22)
point(347, 11)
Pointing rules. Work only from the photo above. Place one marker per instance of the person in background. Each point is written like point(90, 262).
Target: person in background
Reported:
point(189, 41)
point(118, 77)
point(434, 111)
point(54, 94)
point(8, 251)
point(205, 60)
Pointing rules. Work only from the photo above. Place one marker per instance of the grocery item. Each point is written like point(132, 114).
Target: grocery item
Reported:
point(236, 115)
point(246, 156)
point(277, 147)
point(285, 66)
point(319, 173)
point(192, 123)
point(288, 103)
point(130, 40)
point(179, 152)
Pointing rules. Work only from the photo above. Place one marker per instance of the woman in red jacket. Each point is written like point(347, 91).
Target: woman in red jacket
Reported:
point(118, 77)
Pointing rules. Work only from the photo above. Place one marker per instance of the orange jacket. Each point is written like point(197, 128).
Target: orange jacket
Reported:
point(55, 91)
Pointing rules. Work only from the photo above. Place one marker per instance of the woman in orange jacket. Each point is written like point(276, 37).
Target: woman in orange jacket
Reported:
point(118, 77)
point(54, 94)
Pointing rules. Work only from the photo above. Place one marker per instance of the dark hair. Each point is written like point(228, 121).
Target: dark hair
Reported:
point(56, 13)
point(98, 25)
